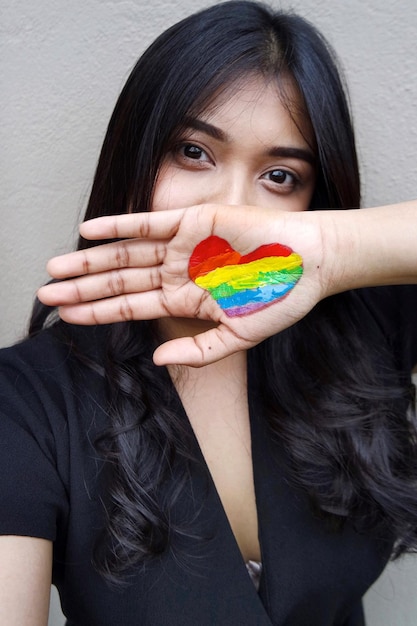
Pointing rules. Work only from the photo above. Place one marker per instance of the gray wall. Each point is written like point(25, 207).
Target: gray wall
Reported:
point(62, 65)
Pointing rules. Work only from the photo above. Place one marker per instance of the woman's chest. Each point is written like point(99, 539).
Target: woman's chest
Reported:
point(311, 576)
point(218, 412)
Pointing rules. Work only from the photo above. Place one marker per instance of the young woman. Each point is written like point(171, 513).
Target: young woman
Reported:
point(271, 484)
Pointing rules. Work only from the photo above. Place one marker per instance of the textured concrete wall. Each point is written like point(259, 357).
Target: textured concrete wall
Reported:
point(62, 65)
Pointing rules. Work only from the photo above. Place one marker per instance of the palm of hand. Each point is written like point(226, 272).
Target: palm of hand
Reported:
point(146, 276)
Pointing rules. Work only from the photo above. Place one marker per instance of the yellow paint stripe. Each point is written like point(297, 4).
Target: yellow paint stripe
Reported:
point(247, 275)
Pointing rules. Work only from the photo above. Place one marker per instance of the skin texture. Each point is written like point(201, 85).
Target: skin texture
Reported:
point(25, 581)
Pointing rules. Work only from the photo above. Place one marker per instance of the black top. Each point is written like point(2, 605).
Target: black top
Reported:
point(51, 486)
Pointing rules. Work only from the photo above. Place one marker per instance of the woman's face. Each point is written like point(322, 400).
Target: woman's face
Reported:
point(246, 148)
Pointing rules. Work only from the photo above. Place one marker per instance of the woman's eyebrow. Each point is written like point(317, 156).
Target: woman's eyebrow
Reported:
point(288, 152)
point(293, 153)
point(205, 127)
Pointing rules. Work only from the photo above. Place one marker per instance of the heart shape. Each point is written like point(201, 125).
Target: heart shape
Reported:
point(243, 284)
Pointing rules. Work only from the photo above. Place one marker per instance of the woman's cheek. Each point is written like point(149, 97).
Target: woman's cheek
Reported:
point(175, 190)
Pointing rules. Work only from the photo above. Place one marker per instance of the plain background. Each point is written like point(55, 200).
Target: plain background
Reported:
point(62, 65)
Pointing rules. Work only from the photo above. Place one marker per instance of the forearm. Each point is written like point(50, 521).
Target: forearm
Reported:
point(25, 580)
point(370, 247)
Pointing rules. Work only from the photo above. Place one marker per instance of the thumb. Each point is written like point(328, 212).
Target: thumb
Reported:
point(202, 349)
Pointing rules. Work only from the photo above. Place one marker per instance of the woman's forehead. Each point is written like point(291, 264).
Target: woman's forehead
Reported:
point(258, 95)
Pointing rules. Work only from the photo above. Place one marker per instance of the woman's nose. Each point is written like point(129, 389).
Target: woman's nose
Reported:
point(233, 189)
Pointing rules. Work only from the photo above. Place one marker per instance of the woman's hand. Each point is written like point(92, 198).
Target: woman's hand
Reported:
point(146, 275)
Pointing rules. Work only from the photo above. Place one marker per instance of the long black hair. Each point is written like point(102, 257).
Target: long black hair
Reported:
point(348, 412)
point(187, 65)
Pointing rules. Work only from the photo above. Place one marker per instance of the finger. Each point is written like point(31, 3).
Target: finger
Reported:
point(202, 349)
point(110, 256)
point(125, 308)
point(157, 225)
point(98, 286)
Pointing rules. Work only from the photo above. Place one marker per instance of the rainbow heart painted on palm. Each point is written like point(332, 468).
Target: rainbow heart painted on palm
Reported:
point(248, 283)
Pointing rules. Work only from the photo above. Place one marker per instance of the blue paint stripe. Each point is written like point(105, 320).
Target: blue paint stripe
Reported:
point(266, 294)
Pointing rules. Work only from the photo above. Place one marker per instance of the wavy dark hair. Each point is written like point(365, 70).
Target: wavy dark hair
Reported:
point(350, 445)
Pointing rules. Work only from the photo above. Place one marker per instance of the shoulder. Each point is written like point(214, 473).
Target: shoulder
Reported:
point(53, 360)
point(52, 405)
point(50, 384)
point(51, 390)
point(54, 346)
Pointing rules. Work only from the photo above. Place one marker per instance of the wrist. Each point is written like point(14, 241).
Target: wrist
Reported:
point(369, 247)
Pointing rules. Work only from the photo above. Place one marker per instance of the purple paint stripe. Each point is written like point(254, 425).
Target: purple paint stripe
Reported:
point(250, 308)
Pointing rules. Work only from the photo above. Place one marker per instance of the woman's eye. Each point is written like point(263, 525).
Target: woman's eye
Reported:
point(191, 151)
point(281, 177)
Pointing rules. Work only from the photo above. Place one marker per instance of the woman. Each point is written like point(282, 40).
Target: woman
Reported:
point(153, 495)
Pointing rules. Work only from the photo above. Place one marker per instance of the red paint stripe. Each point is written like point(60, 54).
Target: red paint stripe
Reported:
point(215, 252)
point(210, 247)
point(208, 265)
